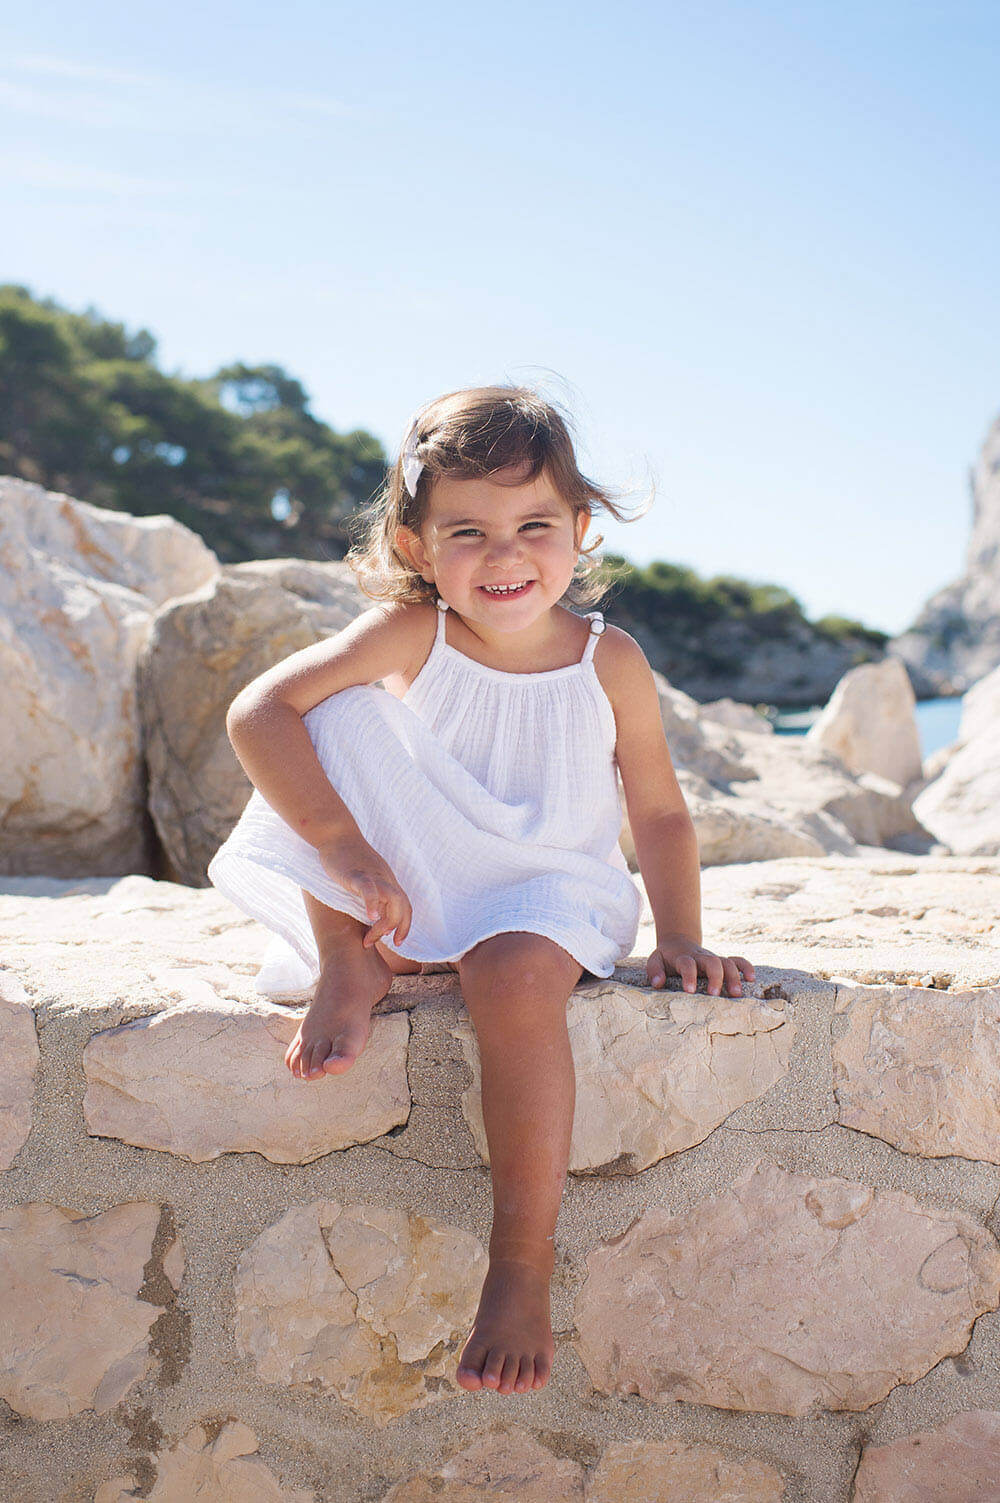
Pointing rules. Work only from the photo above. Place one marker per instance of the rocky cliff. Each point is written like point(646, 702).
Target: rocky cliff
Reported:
point(956, 638)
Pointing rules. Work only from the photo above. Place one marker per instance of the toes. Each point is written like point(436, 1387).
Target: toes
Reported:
point(312, 1059)
point(542, 1369)
point(343, 1052)
point(526, 1375)
point(508, 1377)
point(470, 1365)
point(493, 1367)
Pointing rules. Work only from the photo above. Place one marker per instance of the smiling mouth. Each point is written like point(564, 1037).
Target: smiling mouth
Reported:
point(506, 592)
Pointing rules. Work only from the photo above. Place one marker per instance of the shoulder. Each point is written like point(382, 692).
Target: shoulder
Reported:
point(410, 626)
point(623, 669)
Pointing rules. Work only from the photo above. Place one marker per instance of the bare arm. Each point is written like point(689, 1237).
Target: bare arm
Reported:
point(663, 832)
point(265, 723)
point(666, 844)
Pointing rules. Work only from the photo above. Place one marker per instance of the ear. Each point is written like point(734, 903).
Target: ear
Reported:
point(581, 523)
point(410, 546)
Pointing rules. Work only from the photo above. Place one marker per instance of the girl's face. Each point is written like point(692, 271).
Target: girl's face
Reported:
point(479, 534)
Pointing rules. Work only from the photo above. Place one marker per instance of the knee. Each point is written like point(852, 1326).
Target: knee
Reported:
point(518, 969)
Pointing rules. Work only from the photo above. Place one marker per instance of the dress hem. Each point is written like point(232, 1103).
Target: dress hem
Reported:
point(553, 930)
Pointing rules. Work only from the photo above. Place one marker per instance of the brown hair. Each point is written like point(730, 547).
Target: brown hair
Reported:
point(467, 434)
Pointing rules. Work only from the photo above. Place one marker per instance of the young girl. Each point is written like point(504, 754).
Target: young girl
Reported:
point(468, 811)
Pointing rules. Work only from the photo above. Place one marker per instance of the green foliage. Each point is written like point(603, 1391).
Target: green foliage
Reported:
point(677, 603)
point(839, 628)
point(84, 409)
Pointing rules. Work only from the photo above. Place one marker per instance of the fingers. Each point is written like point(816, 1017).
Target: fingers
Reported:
point(687, 969)
point(387, 908)
point(719, 971)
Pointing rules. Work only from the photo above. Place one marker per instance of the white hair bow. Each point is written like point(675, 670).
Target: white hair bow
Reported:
point(412, 466)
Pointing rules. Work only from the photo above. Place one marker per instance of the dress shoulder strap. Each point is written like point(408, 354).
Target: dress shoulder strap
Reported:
point(442, 606)
point(597, 625)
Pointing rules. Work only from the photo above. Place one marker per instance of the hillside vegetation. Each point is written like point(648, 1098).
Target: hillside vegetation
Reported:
point(238, 457)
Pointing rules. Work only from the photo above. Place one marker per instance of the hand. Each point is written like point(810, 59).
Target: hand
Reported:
point(356, 865)
point(675, 953)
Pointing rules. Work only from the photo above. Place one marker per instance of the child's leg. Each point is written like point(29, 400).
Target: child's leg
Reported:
point(516, 987)
point(352, 979)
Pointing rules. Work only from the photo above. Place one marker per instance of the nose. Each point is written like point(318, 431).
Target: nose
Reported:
point(501, 553)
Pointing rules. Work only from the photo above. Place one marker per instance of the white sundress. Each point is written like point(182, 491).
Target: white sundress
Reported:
point(492, 796)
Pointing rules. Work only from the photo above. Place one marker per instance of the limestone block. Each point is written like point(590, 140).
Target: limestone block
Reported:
point(507, 1463)
point(981, 708)
point(796, 802)
point(812, 787)
point(655, 1072)
point(880, 917)
point(18, 1061)
point(961, 807)
point(957, 1463)
point(198, 1081)
point(783, 1294)
point(645, 1471)
point(919, 1068)
point(78, 586)
point(737, 716)
point(365, 1302)
point(699, 743)
point(201, 652)
point(870, 722)
point(215, 1470)
point(733, 829)
point(73, 1332)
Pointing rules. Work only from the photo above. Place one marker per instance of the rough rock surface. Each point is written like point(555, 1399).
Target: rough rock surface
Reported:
point(510, 1463)
point(18, 1061)
point(957, 1463)
point(78, 586)
point(955, 639)
point(881, 917)
point(877, 918)
point(212, 1467)
point(506, 1464)
point(114, 951)
point(654, 1073)
point(73, 1331)
point(961, 806)
point(362, 1301)
point(738, 716)
point(757, 797)
point(852, 1292)
point(211, 1078)
point(920, 1069)
point(870, 722)
point(201, 652)
point(645, 1471)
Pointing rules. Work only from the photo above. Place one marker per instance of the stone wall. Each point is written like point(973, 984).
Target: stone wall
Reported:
point(777, 1272)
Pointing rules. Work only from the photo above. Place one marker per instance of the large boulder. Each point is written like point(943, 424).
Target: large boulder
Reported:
point(870, 722)
point(202, 650)
point(756, 797)
point(961, 806)
point(78, 587)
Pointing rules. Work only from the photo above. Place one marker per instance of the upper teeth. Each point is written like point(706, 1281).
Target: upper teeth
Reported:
point(503, 589)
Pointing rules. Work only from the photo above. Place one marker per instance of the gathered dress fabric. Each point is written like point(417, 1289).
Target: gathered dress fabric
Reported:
point(493, 798)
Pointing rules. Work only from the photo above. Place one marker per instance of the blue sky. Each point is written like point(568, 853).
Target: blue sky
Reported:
point(753, 247)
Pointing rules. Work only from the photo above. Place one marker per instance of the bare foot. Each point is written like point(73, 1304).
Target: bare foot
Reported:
point(511, 1347)
point(336, 1026)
